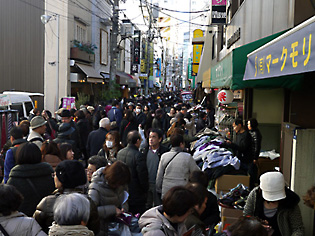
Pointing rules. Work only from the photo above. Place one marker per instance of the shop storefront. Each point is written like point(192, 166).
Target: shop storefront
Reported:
point(288, 62)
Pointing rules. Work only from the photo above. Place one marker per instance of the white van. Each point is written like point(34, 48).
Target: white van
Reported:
point(21, 101)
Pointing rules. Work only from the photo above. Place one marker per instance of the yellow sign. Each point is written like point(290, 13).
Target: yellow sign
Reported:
point(197, 50)
point(142, 66)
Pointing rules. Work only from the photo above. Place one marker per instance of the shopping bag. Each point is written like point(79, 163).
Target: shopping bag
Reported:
point(144, 141)
point(118, 229)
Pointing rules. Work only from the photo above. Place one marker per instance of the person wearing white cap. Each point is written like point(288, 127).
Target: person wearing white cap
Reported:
point(277, 205)
point(38, 128)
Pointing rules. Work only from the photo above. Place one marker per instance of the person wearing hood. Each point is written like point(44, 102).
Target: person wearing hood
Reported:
point(107, 190)
point(277, 205)
point(70, 177)
point(168, 219)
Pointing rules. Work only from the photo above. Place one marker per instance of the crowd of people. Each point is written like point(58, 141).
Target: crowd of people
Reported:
point(77, 171)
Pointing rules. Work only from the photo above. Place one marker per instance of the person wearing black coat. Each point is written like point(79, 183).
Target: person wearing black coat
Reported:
point(84, 129)
point(256, 138)
point(201, 123)
point(128, 124)
point(97, 137)
point(136, 161)
point(140, 116)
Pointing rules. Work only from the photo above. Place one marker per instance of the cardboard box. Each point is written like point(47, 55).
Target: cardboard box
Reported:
point(227, 221)
point(265, 164)
point(228, 212)
point(226, 182)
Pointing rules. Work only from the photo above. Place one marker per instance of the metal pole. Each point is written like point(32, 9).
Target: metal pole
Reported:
point(113, 48)
point(57, 65)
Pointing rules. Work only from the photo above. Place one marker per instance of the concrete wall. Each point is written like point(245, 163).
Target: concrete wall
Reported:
point(258, 19)
point(22, 46)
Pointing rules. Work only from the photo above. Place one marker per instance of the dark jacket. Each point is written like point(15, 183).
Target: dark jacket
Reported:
point(289, 217)
point(125, 127)
point(161, 150)
point(139, 184)
point(193, 220)
point(75, 136)
point(200, 124)
point(44, 213)
point(114, 114)
point(211, 215)
point(34, 181)
point(141, 119)
point(84, 129)
point(95, 141)
point(241, 147)
point(256, 142)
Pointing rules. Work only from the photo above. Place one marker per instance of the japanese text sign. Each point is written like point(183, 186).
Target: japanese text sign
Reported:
point(292, 54)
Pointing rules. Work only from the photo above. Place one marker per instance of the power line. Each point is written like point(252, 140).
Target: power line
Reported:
point(183, 20)
point(167, 9)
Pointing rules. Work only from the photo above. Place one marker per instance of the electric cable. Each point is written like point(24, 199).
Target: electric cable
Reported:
point(167, 9)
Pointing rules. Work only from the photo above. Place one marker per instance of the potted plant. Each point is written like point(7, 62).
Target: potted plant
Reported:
point(83, 51)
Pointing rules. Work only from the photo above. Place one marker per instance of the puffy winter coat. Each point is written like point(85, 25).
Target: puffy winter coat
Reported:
point(154, 223)
point(34, 181)
point(19, 224)
point(106, 199)
point(44, 213)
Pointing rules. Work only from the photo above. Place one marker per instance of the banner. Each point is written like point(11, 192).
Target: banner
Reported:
point(292, 54)
point(218, 15)
point(68, 102)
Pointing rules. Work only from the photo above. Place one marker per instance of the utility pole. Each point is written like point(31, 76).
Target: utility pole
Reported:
point(113, 48)
point(148, 52)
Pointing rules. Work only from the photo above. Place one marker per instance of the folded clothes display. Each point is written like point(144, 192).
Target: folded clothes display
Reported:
point(220, 157)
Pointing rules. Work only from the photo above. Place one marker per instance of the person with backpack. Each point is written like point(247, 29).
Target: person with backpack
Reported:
point(38, 128)
point(115, 114)
point(10, 157)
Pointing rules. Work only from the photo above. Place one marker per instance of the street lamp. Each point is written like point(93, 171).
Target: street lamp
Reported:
point(45, 19)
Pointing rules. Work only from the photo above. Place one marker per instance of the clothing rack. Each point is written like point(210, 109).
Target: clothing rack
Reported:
point(8, 119)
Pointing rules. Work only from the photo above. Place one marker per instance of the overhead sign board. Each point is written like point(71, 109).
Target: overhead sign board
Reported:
point(218, 15)
point(292, 53)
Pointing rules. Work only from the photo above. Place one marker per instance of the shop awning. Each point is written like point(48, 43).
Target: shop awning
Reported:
point(123, 78)
point(91, 74)
point(138, 82)
point(290, 54)
point(132, 83)
point(229, 72)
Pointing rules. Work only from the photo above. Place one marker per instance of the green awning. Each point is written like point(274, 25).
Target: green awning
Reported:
point(229, 72)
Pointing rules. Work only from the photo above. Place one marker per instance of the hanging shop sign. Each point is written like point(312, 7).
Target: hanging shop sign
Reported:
point(197, 50)
point(234, 38)
point(136, 48)
point(218, 15)
point(291, 53)
point(218, 2)
point(225, 96)
point(135, 69)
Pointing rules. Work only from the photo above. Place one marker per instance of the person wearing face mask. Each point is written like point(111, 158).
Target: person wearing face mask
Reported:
point(110, 147)
point(140, 116)
point(175, 166)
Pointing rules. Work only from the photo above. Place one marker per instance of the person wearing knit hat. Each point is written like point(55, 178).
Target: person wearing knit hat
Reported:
point(70, 177)
point(277, 205)
point(38, 128)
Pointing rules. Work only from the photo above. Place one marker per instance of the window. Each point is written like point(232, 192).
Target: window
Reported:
point(80, 32)
point(28, 107)
point(104, 47)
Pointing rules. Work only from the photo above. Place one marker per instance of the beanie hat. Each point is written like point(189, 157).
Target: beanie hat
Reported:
point(273, 186)
point(71, 173)
point(37, 121)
